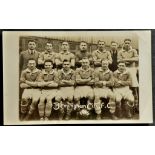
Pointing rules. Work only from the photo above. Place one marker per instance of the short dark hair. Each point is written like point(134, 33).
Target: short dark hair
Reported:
point(49, 42)
point(105, 61)
point(121, 63)
point(48, 60)
point(114, 42)
point(83, 42)
point(64, 42)
point(85, 58)
point(31, 40)
point(100, 41)
point(32, 59)
point(65, 60)
point(127, 39)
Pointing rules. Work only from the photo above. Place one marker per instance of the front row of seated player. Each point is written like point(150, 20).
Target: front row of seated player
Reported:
point(66, 87)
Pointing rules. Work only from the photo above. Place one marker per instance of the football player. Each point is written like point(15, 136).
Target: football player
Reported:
point(48, 81)
point(103, 82)
point(65, 94)
point(84, 82)
point(29, 82)
point(83, 52)
point(64, 54)
point(122, 81)
point(101, 54)
point(48, 54)
point(129, 55)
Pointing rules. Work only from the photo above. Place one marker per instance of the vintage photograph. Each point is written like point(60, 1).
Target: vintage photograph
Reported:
point(78, 76)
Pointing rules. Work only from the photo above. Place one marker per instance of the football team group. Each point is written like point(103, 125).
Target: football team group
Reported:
point(79, 85)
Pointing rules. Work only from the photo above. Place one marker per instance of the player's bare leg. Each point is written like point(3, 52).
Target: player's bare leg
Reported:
point(97, 106)
point(48, 108)
point(41, 108)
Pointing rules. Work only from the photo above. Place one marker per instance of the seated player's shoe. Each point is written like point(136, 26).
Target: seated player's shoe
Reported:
point(77, 116)
point(129, 115)
point(61, 116)
point(67, 117)
point(113, 117)
point(119, 113)
point(28, 116)
point(42, 118)
point(46, 118)
point(127, 111)
point(98, 117)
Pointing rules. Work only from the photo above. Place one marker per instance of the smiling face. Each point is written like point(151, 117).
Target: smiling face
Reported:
point(65, 46)
point(31, 45)
point(83, 46)
point(31, 64)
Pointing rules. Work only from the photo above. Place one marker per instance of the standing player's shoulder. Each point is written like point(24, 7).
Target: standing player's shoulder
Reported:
point(72, 54)
point(93, 52)
point(72, 71)
point(24, 52)
point(24, 71)
point(77, 53)
point(78, 70)
point(108, 52)
point(111, 72)
point(134, 50)
point(92, 70)
point(38, 70)
point(120, 51)
point(115, 72)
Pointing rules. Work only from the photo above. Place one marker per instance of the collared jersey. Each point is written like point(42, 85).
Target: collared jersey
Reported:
point(70, 75)
point(101, 75)
point(62, 56)
point(25, 56)
point(84, 74)
point(49, 76)
point(124, 77)
point(47, 56)
point(123, 54)
point(104, 55)
point(80, 55)
point(62, 75)
point(30, 75)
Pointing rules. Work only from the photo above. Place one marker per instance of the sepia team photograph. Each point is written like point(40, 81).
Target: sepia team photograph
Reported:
point(79, 77)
